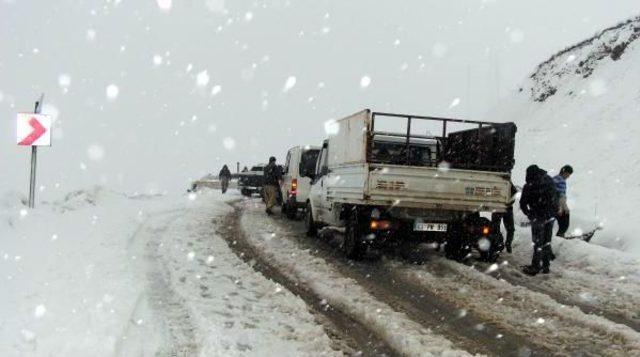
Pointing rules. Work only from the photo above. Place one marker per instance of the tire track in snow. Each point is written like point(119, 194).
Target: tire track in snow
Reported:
point(423, 306)
point(538, 318)
point(401, 333)
point(560, 328)
point(349, 335)
point(168, 307)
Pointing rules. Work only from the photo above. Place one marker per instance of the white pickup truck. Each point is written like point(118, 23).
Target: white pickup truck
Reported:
point(386, 178)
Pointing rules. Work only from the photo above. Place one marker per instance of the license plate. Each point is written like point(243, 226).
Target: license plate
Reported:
point(430, 227)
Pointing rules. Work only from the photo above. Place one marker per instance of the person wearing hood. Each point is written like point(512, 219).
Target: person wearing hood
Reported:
point(272, 181)
point(539, 202)
point(224, 176)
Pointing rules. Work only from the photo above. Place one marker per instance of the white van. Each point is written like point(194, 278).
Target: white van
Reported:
point(299, 165)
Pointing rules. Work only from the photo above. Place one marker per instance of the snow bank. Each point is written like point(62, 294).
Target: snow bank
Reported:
point(68, 276)
point(99, 273)
point(580, 108)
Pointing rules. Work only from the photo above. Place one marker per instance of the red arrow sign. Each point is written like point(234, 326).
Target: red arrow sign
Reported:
point(37, 132)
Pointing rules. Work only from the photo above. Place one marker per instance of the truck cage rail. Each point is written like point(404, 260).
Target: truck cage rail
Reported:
point(441, 153)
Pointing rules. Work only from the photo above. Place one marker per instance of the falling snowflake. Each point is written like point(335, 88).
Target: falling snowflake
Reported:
point(202, 79)
point(191, 256)
point(444, 166)
point(216, 90)
point(157, 60)
point(289, 83)
point(112, 92)
point(331, 127)
point(23, 212)
point(39, 311)
point(365, 81)
point(229, 143)
point(95, 152)
point(91, 35)
point(492, 268)
point(164, 5)
point(248, 16)
point(454, 103)
point(64, 80)
point(210, 260)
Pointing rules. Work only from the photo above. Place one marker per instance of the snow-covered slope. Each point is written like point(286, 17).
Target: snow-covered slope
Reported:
point(581, 107)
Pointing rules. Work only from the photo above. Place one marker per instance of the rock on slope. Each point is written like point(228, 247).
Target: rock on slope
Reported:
point(582, 107)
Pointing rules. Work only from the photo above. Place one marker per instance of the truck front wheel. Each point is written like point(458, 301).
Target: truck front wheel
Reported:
point(353, 245)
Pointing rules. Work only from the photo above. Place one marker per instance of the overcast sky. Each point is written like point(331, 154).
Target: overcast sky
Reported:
point(200, 83)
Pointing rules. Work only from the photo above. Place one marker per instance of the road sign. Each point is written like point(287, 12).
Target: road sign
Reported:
point(33, 129)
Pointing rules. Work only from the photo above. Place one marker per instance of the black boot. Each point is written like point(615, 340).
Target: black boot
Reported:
point(530, 270)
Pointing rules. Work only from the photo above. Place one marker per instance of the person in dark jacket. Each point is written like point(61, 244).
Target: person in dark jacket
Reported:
point(507, 219)
point(562, 216)
point(272, 180)
point(539, 202)
point(224, 176)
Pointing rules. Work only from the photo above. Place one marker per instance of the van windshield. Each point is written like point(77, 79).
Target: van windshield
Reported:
point(308, 161)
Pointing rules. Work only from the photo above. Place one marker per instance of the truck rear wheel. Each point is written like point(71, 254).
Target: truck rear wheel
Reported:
point(353, 246)
point(492, 252)
point(309, 224)
point(457, 246)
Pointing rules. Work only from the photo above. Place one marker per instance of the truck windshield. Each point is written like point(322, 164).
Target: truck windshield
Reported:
point(308, 161)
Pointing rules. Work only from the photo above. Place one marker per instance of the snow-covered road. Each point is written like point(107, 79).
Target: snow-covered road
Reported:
point(531, 314)
point(206, 274)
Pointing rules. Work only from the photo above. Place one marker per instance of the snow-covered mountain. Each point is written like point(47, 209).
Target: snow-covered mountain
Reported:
point(581, 107)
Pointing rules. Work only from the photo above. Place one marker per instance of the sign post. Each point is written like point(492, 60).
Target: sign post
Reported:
point(34, 129)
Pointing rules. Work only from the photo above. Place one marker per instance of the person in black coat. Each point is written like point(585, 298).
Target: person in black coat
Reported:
point(539, 202)
point(224, 176)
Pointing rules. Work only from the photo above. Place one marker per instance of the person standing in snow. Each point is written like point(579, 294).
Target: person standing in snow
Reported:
point(539, 201)
point(507, 219)
point(272, 180)
point(563, 210)
point(224, 176)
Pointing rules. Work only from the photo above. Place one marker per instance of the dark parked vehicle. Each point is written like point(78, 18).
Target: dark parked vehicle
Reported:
point(251, 182)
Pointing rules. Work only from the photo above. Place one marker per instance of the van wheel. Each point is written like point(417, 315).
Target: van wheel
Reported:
point(353, 246)
point(309, 224)
point(289, 211)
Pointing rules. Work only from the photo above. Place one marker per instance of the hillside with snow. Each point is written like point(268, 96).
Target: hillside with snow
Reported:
point(581, 107)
